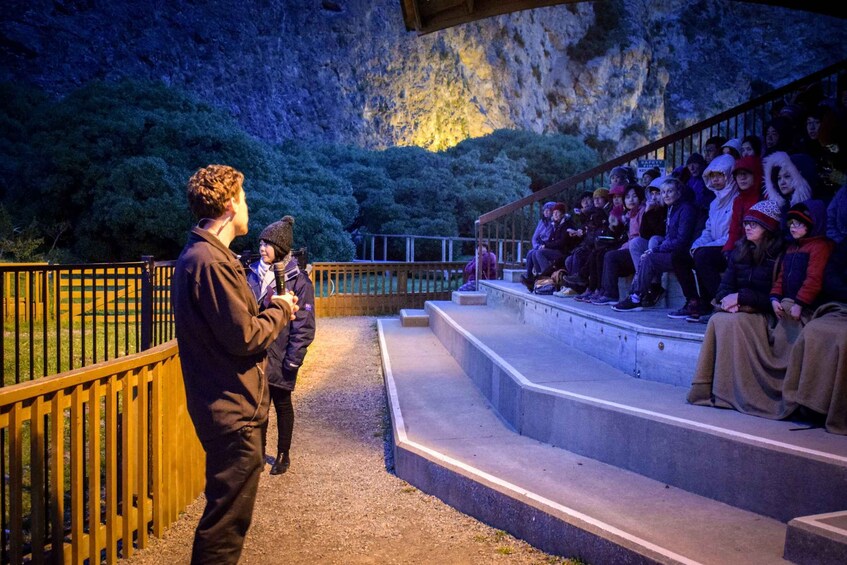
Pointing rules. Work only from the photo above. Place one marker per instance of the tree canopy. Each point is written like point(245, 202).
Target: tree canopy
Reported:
point(100, 176)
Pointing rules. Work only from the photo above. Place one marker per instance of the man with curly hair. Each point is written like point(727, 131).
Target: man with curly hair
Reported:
point(222, 340)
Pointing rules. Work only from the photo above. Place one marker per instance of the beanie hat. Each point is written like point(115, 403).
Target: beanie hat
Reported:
point(801, 213)
point(601, 193)
point(618, 190)
point(548, 205)
point(561, 207)
point(765, 213)
point(281, 235)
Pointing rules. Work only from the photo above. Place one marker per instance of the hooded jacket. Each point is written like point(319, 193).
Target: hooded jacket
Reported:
point(222, 338)
point(544, 227)
point(802, 188)
point(744, 200)
point(801, 273)
point(716, 232)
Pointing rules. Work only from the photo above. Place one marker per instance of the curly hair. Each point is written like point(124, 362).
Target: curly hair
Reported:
point(210, 188)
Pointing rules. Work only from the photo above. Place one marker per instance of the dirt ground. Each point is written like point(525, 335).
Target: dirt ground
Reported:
point(338, 503)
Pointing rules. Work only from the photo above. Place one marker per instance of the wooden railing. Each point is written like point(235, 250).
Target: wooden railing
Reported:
point(372, 289)
point(514, 223)
point(95, 459)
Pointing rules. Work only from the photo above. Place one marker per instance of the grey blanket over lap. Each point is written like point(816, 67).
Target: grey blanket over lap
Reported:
point(816, 375)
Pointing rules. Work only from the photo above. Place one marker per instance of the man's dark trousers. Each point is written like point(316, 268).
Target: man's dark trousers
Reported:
point(234, 462)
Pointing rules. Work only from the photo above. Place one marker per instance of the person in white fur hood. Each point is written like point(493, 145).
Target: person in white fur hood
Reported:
point(787, 178)
point(706, 257)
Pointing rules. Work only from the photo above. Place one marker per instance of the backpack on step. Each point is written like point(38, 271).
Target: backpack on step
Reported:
point(544, 285)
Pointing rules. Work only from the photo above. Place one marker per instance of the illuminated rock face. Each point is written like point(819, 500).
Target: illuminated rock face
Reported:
point(347, 71)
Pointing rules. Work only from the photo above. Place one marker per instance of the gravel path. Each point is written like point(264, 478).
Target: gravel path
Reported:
point(337, 503)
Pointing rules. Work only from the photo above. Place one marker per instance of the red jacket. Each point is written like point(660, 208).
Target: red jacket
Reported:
point(744, 200)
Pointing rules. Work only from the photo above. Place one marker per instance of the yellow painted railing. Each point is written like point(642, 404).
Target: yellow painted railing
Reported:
point(95, 459)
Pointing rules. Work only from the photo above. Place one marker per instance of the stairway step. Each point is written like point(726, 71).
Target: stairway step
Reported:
point(469, 298)
point(450, 442)
point(557, 394)
point(411, 318)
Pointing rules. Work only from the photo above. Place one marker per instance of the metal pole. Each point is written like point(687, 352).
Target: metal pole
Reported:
point(477, 265)
point(147, 275)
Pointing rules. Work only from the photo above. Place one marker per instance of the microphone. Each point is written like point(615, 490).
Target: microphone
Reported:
point(279, 277)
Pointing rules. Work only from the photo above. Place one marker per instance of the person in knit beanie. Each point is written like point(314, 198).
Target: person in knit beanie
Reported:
point(766, 213)
point(286, 354)
point(280, 235)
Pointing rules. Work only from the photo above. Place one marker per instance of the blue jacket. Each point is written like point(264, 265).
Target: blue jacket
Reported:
point(288, 351)
point(681, 224)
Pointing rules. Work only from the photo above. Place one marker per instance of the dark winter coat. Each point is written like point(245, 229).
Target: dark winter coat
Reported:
point(222, 338)
point(558, 238)
point(836, 216)
point(752, 281)
point(835, 275)
point(653, 222)
point(801, 275)
point(286, 355)
point(679, 227)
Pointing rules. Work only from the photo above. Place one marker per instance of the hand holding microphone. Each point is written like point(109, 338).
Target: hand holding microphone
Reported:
point(281, 292)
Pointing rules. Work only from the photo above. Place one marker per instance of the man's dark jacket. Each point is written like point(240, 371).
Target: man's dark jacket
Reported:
point(222, 337)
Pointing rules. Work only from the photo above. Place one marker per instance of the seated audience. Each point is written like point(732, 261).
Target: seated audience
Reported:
point(732, 147)
point(751, 146)
point(678, 237)
point(705, 259)
point(778, 136)
point(784, 182)
point(649, 176)
point(542, 261)
point(737, 367)
point(747, 173)
point(487, 268)
point(800, 279)
point(836, 216)
point(713, 148)
point(596, 224)
point(542, 229)
point(618, 262)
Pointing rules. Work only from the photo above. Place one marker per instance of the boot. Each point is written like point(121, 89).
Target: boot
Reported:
point(281, 464)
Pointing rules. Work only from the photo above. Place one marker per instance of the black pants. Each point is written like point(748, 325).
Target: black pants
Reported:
point(617, 263)
point(233, 465)
point(284, 418)
point(708, 263)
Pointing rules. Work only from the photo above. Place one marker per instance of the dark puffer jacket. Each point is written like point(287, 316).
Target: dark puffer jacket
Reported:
point(752, 281)
point(681, 223)
point(801, 275)
point(288, 351)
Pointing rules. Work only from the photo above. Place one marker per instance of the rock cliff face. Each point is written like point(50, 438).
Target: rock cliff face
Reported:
point(621, 71)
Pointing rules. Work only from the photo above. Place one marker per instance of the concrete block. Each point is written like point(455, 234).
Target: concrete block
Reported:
point(513, 275)
point(411, 318)
point(469, 298)
point(820, 539)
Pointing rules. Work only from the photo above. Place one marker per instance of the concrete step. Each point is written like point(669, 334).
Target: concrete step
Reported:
point(513, 275)
point(817, 540)
point(451, 442)
point(414, 318)
point(647, 344)
point(472, 298)
point(554, 393)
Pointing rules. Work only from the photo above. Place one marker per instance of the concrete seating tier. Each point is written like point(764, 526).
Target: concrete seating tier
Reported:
point(527, 413)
